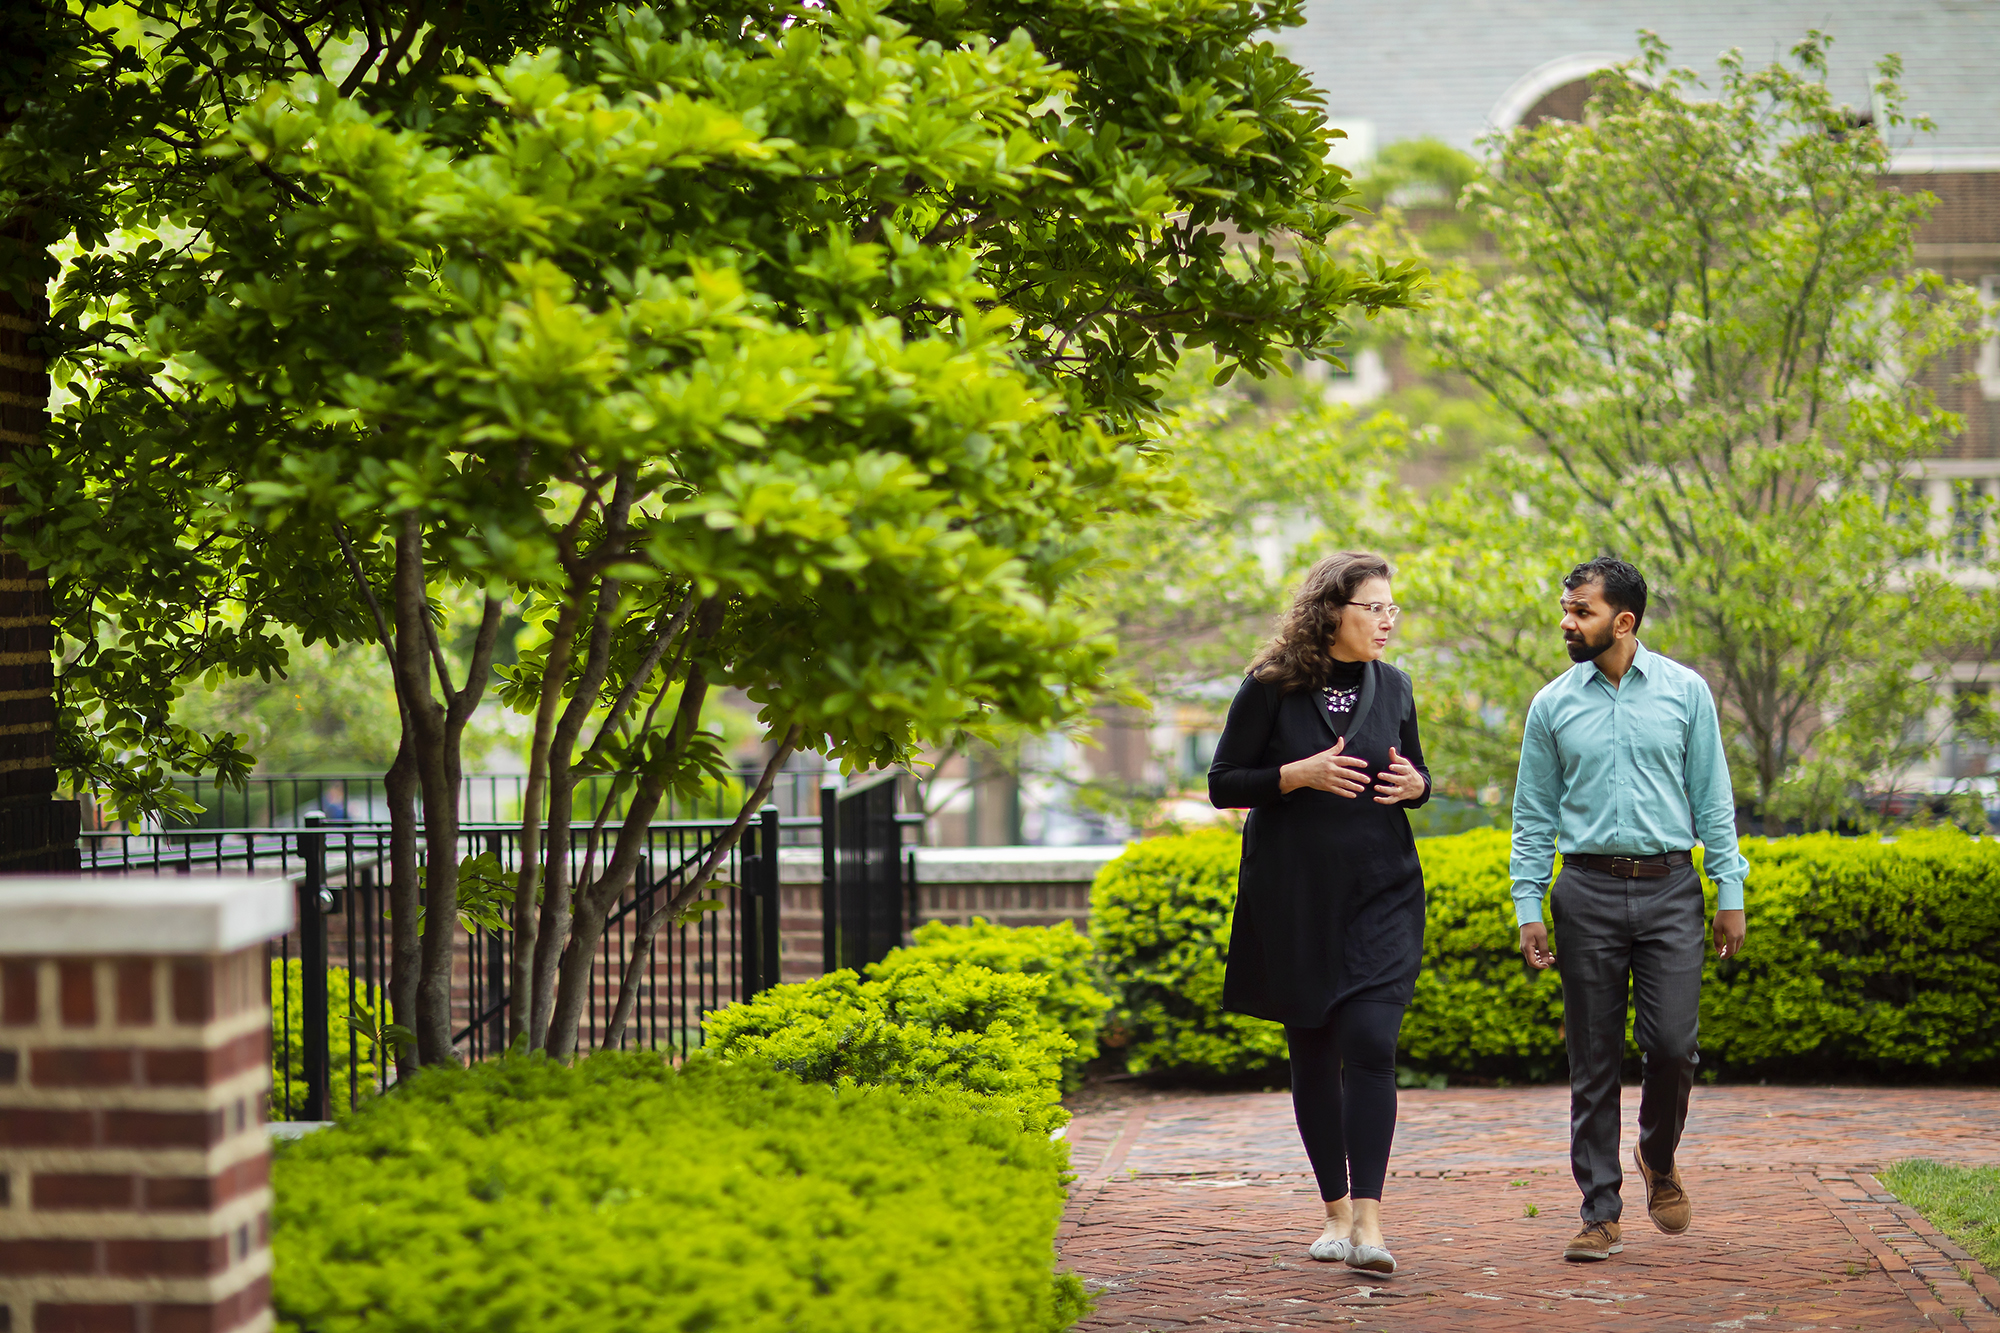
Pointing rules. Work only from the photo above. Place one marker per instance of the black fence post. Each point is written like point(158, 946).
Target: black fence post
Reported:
point(829, 844)
point(313, 1016)
point(759, 901)
point(770, 890)
point(497, 972)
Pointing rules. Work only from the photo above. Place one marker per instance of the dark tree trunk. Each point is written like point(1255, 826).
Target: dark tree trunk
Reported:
point(405, 898)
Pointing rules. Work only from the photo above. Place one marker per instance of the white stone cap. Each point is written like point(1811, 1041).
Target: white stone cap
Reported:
point(140, 914)
point(974, 865)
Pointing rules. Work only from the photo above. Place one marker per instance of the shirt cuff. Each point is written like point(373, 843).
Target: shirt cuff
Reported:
point(1527, 902)
point(1729, 897)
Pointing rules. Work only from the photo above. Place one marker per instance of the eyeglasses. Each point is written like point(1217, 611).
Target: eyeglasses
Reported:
point(1388, 611)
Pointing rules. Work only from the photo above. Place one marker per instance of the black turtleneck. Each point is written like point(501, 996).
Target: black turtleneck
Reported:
point(1341, 691)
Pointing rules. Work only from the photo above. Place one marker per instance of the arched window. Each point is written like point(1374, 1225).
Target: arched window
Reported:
point(1562, 103)
point(1553, 91)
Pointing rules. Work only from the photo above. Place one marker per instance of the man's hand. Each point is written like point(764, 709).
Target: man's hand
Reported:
point(1535, 946)
point(1400, 781)
point(1729, 931)
point(1329, 770)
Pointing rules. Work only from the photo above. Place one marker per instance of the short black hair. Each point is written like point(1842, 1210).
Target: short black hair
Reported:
point(1624, 585)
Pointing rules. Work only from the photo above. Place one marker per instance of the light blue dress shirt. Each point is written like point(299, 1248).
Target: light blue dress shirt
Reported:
point(1630, 770)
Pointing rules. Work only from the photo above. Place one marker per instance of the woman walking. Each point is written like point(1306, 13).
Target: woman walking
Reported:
point(1321, 746)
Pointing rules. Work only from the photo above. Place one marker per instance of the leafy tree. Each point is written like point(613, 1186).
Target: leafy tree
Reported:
point(1273, 485)
point(1415, 173)
point(1710, 332)
point(795, 350)
point(105, 167)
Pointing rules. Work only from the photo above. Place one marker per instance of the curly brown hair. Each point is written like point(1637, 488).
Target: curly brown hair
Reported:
point(1296, 658)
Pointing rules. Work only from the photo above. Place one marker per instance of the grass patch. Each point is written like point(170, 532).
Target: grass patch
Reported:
point(1961, 1201)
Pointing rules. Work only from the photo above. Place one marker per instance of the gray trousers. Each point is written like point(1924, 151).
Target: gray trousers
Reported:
point(1610, 931)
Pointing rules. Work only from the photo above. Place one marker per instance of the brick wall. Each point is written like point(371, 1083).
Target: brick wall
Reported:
point(134, 1163)
point(36, 833)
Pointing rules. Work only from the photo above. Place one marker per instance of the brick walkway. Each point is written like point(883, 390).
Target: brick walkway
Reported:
point(1193, 1211)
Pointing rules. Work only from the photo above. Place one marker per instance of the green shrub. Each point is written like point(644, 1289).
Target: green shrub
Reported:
point(925, 1024)
point(526, 1195)
point(1865, 957)
point(1479, 1009)
point(1159, 916)
point(354, 1037)
point(1072, 1001)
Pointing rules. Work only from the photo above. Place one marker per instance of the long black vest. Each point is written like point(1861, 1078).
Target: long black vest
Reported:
point(1330, 898)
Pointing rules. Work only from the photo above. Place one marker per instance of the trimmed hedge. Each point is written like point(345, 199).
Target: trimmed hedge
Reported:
point(1159, 916)
point(1072, 1001)
point(1866, 957)
point(1479, 1009)
point(526, 1195)
point(925, 1024)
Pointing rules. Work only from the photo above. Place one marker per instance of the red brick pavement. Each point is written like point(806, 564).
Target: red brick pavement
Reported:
point(1193, 1211)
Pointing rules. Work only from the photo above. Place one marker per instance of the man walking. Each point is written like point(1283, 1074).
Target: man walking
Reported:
point(1622, 762)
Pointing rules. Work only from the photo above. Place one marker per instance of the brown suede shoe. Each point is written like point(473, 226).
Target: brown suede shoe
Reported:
point(1597, 1240)
point(1666, 1202)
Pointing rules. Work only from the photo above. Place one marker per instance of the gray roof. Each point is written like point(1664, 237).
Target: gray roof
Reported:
point(1455, 69)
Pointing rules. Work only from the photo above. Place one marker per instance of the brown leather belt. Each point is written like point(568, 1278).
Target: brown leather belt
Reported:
point(1630, 867)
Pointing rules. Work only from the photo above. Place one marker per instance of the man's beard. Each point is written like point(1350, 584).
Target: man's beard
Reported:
point(1583, 650)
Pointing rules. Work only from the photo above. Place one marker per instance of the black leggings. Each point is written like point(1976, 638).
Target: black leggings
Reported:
point(1344, 1095)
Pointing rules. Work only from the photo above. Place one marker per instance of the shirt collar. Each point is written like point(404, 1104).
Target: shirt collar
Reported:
point(1641, 660)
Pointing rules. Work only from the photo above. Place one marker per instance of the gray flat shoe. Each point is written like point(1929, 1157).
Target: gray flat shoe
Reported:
point(1330, 1249)
point(1370, 1259)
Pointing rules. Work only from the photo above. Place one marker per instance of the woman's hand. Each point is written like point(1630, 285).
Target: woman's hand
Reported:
point(1329, 770)
point(1400, 781)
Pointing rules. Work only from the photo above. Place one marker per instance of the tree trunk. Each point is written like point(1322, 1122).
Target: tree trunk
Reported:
point(558, 903)
point(405, 899)
point(664, 913)
point(594, 901)
point(529, 884)
point(427, 737)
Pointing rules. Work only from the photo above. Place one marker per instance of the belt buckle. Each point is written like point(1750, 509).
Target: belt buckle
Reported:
point(1625, 867)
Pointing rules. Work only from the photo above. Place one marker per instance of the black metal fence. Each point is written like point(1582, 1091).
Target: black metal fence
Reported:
point(285, 799)
point(332, 1028)
point(868, 897)
point(333, 1031)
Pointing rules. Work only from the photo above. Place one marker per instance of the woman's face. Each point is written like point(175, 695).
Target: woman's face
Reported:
point(1362, 634)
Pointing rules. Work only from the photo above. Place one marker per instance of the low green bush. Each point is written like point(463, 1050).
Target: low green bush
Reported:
point(1159, 917)
point(1479, 1009)
point(924, 1024)
point(1866, 956)
point(354, 1036)
point(522, 1194)
point(1072, 1001)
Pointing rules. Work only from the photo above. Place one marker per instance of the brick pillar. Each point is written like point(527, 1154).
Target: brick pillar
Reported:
point(37, 833)
point(134, 1067)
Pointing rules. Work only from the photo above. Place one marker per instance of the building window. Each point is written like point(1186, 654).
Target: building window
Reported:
point(1970, 503)
point(1971, 722)
point(1989, 351)
point(1198, 752)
